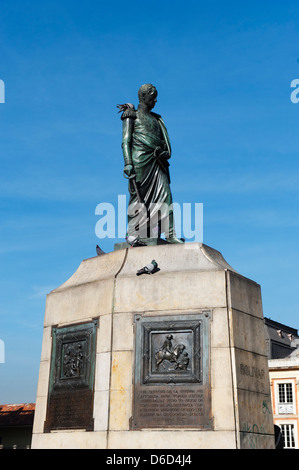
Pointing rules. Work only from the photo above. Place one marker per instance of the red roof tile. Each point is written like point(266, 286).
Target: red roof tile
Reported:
point(17, 414)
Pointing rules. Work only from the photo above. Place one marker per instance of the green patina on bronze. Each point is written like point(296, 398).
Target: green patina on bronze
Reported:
point(71, 380)
point(147, 150)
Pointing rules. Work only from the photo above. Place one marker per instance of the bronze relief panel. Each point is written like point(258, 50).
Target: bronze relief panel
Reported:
point(172, 379)
point(70, 395)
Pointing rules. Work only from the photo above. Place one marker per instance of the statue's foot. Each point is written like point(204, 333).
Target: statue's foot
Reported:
point(175, 240)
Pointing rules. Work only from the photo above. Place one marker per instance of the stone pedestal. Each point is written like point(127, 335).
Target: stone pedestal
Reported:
point(176, 359)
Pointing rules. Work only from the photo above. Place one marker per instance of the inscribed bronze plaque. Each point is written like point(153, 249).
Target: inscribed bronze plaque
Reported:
point(172, 379)
point(70, 396)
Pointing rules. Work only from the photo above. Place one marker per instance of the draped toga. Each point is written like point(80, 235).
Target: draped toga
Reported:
point(144, 138)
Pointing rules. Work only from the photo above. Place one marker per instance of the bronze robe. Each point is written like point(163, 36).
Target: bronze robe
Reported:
point(144, 137)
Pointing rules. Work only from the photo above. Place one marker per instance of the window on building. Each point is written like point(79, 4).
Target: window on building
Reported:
point(287, 431)
point(285, 398)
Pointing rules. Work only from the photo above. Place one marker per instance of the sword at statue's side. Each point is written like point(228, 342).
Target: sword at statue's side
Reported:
point(133, 179)
point(139, 198)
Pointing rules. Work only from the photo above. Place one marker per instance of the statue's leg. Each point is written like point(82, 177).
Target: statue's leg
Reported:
point(170, 233)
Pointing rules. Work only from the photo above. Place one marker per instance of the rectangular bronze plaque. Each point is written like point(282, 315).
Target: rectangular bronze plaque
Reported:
point(172, 379)
point(70, 396)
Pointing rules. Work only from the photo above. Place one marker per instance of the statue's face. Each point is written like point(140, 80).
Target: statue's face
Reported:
point(150, 99)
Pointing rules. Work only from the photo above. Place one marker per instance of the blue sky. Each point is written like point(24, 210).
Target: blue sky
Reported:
point(223, 72)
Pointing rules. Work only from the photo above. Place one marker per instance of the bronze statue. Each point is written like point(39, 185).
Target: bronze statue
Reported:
point(146, 150)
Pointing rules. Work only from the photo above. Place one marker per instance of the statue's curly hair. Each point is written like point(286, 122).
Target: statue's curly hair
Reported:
point(144, 90)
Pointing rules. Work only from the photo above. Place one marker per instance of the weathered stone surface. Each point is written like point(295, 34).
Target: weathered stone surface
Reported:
point(158, 292)
point(248, 332)
point(255, 414)
point(70, 440)
point(252, 372)
point(244, 295)
point(159, 439)
point(79, 303)
point(255, 441)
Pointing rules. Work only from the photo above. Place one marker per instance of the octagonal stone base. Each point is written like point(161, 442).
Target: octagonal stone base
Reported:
point(233, 370)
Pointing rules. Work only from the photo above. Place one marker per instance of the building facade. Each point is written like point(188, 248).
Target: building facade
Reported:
point(16, 422)
point(283, 354)
point(284, 379)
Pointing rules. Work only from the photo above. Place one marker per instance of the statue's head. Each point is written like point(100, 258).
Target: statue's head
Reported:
point(147, 94)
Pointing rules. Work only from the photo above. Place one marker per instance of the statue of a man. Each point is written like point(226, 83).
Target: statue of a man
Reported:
point(146, 150)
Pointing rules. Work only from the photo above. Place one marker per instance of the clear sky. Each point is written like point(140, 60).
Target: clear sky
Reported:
point(223, 71)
